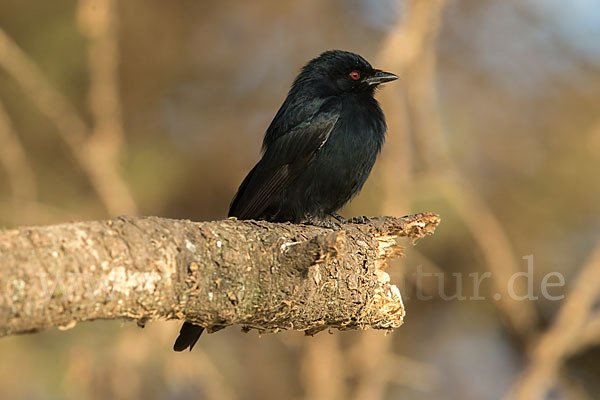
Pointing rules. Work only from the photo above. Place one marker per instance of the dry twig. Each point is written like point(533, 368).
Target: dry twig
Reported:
point(98, 22)
point(415, 53)
point(400, 53)
point(564, 336)
point(72, 130)
point(323, 370)
point(14, 160)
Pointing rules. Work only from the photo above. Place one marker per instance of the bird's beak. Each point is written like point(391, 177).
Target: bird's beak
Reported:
point(381, 77)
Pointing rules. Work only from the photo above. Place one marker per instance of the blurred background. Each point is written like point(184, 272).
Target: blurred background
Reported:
point(159, 108)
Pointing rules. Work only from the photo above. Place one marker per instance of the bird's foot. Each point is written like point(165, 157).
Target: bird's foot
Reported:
point(359, 220)
point(354, 220)
point(321, 223)
point(338, 218)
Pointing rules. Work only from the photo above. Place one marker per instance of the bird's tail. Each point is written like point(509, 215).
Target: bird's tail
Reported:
point(188, 336)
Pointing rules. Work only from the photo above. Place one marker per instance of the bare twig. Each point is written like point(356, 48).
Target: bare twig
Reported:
point(409, 40)
point(590, 336)
point(592, 138)
point(323, 370)
point(371, 366)
point(14, 160)
point(493, 241)
point(400, 53)
point(50, 102)
point(415, 51)
point(98, 21)
point(563, 337)
point(72, 130)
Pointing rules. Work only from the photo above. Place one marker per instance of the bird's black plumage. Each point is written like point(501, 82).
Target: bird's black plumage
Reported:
point(317, 152)
point(188, 336)
point(321, 145)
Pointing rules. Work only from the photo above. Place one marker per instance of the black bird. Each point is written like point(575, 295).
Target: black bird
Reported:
point(317, 152)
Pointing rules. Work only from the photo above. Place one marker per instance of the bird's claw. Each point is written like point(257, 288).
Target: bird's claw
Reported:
point(359, 220)
point(339, 218)
point(354, 220)
point(323, 223)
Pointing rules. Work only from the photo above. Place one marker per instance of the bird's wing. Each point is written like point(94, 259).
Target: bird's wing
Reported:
point(283, 160)
point(295, 110)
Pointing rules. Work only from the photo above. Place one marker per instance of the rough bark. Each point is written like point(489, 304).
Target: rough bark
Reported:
point(252, 273)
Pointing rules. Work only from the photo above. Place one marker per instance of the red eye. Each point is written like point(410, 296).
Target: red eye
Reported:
point(354, 75)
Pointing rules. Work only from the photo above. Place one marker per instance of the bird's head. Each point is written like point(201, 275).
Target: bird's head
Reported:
point(337, 72)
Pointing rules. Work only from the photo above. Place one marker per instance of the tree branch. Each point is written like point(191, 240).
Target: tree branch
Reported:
point(252, 273)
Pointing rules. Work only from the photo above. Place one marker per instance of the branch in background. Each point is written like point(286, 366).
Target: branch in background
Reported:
point(520, 316)
point(411, 51)
point(256, 274)
point(323, 369)
point(571, 327)
point(98, 22)
point(13, 159)
point(400, 52)
point(71, 128)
